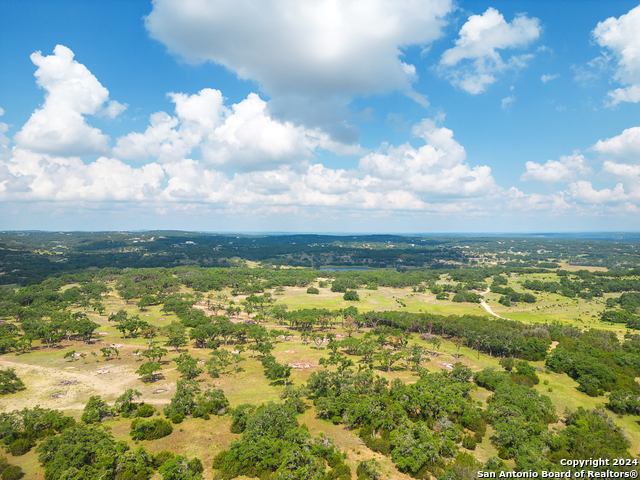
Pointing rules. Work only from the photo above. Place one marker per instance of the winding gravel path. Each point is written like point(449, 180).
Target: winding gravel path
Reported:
point(488, 308)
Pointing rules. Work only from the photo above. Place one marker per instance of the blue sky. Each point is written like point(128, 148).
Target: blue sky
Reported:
point(385, 116)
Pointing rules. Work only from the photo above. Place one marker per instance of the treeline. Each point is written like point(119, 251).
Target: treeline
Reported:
point(496, 337)
point(624, 309)
point(600, 363)
point(509, 295)
point(587, 285)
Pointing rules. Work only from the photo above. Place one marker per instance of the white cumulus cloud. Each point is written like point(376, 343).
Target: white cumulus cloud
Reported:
point(584, 192)
point(242, 137)
point(310, 57)
point(625, 146)
point(569, 168)
point(317, 46)
point(475, 61)
point(59, 127)
point(622, 38)
point(33, 176)
point(432, 172)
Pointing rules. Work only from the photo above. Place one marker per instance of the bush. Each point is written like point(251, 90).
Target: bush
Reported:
point(525, 374)
point(442, 296)
point(507, 363)
point(177, 417)
point(12, 472)
point(334, 459)
point(523, 380)
point(369, 470)
point(351, 296)
point(313, 290)
point(195, 465)
point(341, 471)
point(160, 458)
point(95, 410)
point(125, 404)
point(380, 445)
point(179, 467)
point(240, 416)
point(9, 382)
point(145, 410)
point(469, 442)
point(503, 453)
point(506, 301)
point(20, 446)
point(150, 429)
point(472, 419)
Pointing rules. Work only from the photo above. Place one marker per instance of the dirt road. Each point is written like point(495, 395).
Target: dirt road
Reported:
point(488, 308)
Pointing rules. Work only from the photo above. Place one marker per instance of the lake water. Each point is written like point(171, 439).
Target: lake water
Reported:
point(342, 269)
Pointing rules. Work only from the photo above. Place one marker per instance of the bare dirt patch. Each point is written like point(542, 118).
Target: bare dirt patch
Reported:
point(68, 382)
point(43, 382)
point(302, 365)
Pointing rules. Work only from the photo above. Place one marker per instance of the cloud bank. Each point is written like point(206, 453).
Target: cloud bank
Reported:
point(240, 158)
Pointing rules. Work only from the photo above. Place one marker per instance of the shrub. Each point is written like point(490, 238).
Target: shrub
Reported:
point(125, 405)
point(177, 417)
point(313, 291)
point(179, 467)
point(469, 442)
point(240, 416)
point(490, 379)
point(351, 296)
point(20, 446)
point(9, 382)
point(211, 402)
point(525, 374)
point(150, 429)
point(160, 458)
point(507, 363)
point(12, 472)
point(503, 453)
point(334, 460)
point(340, 471)
point(523, 380)
point(95, 410)
point(195, 465)
point(504, 300)
point(145, 410)
point(369, 470)
point(472, 419)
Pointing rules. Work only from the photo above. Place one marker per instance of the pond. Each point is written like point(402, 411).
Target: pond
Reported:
point(341, 269)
